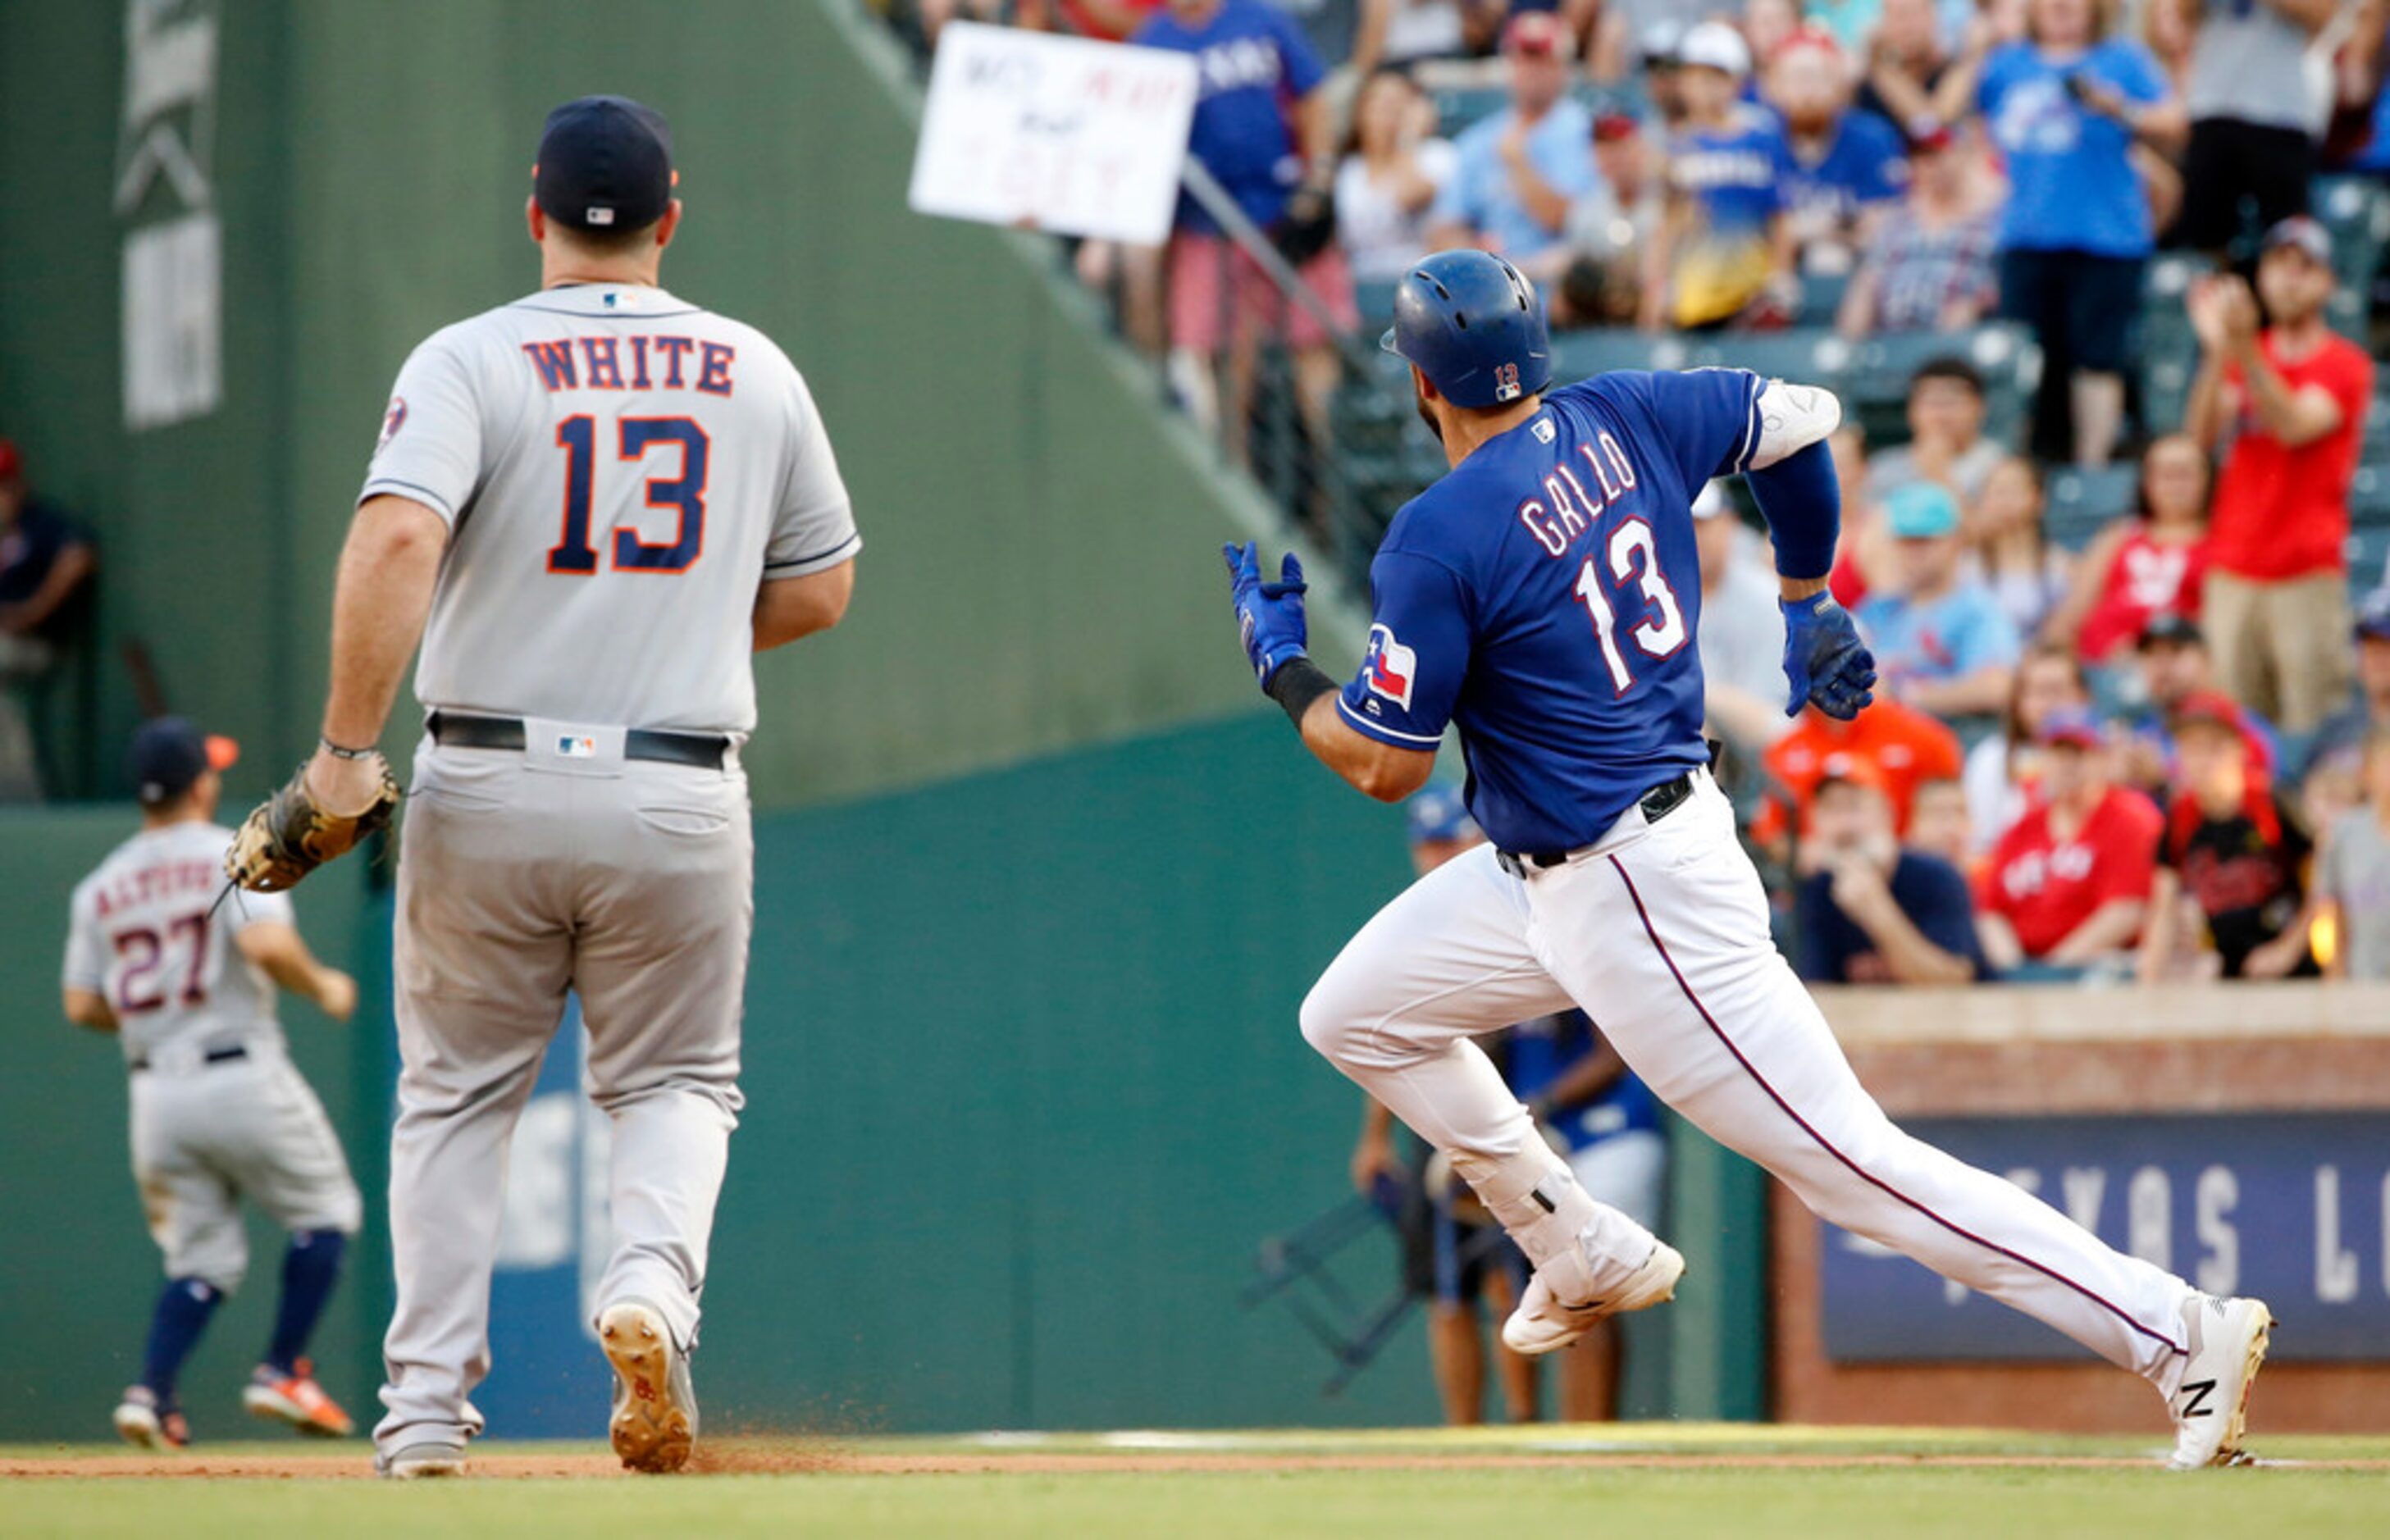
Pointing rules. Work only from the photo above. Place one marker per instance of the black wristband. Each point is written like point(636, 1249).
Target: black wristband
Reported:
point(1296, 685)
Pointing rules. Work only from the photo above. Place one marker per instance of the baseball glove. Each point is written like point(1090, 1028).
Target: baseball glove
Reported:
point(288, 836)
point(1308, 228)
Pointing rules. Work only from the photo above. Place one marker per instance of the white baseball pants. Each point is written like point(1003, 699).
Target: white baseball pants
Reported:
point(1659, 932)
point(522, 876)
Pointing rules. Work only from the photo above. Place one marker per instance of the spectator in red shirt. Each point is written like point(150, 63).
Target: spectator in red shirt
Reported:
point(2151, 563)
point(1904, 745)
point(2069, 884)
point(2234, 851)
point(2286, 407)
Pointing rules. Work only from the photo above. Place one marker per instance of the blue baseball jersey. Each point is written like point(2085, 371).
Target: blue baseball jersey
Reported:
point(1253, 65)
point(1865, 163)
point(1543, 597)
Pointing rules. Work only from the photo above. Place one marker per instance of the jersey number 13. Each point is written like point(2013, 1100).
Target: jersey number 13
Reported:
point(1662, 629)
point(577, 436)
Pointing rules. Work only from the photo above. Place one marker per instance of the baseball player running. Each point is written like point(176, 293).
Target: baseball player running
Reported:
point(1544, 597)
point(604, 499)
point(218, 1112)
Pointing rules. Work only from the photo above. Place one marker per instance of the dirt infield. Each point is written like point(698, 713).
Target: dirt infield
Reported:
point(775, 1458)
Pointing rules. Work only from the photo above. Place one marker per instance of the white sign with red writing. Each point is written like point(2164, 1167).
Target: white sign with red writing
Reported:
point(1059, 134)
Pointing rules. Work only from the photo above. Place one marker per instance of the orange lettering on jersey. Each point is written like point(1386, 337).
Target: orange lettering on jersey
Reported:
point(554, 361)
point(714, 376)
point(605, 368)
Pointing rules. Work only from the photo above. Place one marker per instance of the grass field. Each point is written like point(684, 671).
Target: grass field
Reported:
point(1668, 1479)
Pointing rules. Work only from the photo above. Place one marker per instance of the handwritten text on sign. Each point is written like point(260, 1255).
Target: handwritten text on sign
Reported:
point(1059, 134)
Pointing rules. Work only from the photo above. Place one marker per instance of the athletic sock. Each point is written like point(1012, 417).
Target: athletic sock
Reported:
point(183, 1310)
point(310, 1268)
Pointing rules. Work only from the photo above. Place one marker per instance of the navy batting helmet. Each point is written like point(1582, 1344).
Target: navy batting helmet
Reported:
point(1470, 322)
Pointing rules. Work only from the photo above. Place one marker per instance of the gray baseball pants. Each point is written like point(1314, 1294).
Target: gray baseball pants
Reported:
point(523, 876)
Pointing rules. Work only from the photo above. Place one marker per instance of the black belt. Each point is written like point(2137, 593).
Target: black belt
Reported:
point(224, 1054)
point(702, 751)
point(1656, 804)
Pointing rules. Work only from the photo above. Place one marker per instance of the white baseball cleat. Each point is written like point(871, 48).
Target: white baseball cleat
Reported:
point(430, 1460)
point(142, 1424)
point(655, 1406)
point(2227, 1337)
point(1545, 1323)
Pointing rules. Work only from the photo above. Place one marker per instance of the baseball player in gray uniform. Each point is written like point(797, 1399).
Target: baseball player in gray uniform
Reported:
point(218, 1112)
point(603, 499)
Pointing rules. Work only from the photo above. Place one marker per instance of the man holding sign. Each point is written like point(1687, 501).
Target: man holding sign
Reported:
point(1264, 131)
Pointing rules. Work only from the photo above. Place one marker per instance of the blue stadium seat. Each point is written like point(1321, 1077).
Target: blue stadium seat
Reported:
point(2082, 501)
point(2369, 549)
point(2369, 495)
point(2356, 211)
point(2002, 352)
point(1456, 106)
point(1375, 299)
point(1821, 296)
point(1577, 354)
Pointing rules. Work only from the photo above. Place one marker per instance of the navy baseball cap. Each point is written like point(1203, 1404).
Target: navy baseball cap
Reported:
point(169, 754)
point(1439, 813)
point(605, 163)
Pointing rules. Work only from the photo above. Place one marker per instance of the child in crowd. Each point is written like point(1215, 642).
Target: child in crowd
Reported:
point(2234, 851)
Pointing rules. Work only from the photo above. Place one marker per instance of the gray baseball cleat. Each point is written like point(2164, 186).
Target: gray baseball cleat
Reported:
point(426, 1461)
point(1545, 1323)
point(2227, 1338)
point(655, 1406)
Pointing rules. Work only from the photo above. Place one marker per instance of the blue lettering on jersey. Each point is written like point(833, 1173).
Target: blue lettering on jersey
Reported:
point(601, 363)
point(1541, 598)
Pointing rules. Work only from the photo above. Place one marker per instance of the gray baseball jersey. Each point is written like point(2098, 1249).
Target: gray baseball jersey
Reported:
point(620, 471)
point(141, 936)
point(147, 934)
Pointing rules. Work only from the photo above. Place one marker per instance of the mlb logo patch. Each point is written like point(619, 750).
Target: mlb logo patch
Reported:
point(392, 420)
point(1391, 668)
point(573, 747)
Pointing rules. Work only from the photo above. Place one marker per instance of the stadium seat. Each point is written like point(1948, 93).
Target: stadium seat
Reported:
point(2356, 211)
point(1821, 296)
point(1577, 354)
point(1457, 107)
point(2003, 352)
point(2369, 551)
point(2081, 501)
point(1809, 356)
point(1374, 298)
point(2369, 495)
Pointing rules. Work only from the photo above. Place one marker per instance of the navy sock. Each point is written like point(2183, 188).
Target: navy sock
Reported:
point(182, 1314)
point(310, 1268)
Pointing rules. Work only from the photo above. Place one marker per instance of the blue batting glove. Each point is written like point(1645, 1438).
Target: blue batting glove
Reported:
point(1269, 615)
point(1824, 659)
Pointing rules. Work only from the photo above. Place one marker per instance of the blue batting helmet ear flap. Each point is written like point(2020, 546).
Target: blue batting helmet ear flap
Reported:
point(1474, 326)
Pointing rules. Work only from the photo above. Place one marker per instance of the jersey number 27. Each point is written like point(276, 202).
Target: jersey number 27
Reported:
point(1662, 632)
point(577, 436)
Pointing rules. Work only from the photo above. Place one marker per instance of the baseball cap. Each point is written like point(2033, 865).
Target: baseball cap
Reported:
point(1611, 127)
point(2172, 627)
point(1440, 813)
point(1922, 510)
point(1535, 35)
point(1853, 770)
point(1807, 35)
point(2212, 707)
point(2303, 232)
point(169, 754)
point(2374, 616)
point(1717, 47)
point(605, 163)
point(1931, 139)
point(2071, 726)
point(1660, 44)
point(12, 464)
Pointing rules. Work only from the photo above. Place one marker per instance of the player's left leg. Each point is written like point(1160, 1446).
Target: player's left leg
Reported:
point(292, 1162)
point(195, 1218)
point(1666, 943)
point(662, 968)
point(1449, 959)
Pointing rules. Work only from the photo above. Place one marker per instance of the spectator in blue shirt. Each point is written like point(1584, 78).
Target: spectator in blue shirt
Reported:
point(1943, 644)
point(1265, 130)
point(1724, 247)
point(1872, 912)
point(2065, 107)
point(1520, 170)
point(1848, 165)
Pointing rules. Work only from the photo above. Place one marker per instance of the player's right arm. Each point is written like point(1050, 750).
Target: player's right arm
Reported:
point(1380, 733)
point(83, 981)
point(277, 948)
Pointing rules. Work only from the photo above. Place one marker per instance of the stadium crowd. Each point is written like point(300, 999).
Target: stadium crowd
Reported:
point(2145, 734)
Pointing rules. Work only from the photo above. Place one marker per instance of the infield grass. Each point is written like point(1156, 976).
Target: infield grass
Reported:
point(1665, 1481)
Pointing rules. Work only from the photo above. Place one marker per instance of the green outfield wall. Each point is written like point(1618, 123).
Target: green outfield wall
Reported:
point(1039, 890)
